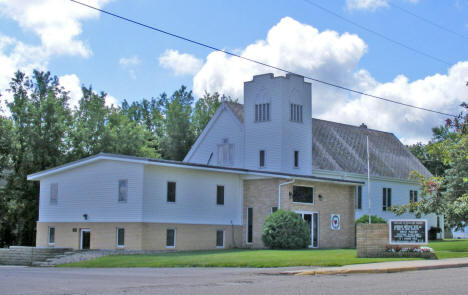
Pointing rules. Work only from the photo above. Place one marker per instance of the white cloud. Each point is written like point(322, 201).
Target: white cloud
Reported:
point(56, 22)
point(129, 63)
point(72, 84)
point(332, 57)
point(371, 5)
point(180, 64)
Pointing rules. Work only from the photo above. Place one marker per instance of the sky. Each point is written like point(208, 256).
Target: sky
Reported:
point(428, 69)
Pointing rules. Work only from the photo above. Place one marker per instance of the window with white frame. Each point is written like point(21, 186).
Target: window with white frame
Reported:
point(51, 236)
point(53, 193)
point(220, 239)
point(123, 190)
point(262, 112)
point(170, 238)
point(225, 152)
point(120, 237)
point(295, 113)
point(303, 194)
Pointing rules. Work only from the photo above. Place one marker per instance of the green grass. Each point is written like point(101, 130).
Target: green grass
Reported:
point(450, 248)
point(261, 258)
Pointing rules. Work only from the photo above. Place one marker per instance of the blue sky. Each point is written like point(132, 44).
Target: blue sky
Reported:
point(129, 62)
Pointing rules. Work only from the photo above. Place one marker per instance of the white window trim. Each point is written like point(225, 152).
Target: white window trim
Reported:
point(224, 238)
point(117, 237)
point(81, 236)
point(247, 227)
point(311, 246)
point(118, 193)
point(304, 203)
point(48, 236)
point(175, 238)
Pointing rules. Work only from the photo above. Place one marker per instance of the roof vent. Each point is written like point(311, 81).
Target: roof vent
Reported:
point(363, 126)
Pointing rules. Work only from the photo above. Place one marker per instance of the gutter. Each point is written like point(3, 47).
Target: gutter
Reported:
point(279, 191)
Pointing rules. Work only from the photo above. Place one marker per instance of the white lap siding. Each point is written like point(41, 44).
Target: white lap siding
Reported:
point(195, 197)
point(93, 190)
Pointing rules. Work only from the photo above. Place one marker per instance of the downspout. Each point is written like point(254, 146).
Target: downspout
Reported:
point(279, 191)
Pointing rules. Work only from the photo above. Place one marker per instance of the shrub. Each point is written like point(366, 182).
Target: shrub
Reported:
point(374, 219)
point(286, 230)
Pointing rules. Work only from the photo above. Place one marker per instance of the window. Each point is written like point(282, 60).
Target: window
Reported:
point(386, 198)
point(220, 195)
point(296, 159)
point(225, 152)
point(295, 113)
point(53, 193)
point(220, 239)
point(262, 112)
point(123, 190)
point(51, 238)
point(359, 197)
point(303, 194)
point(171, 192)
point(120, 237)
point(413, 198)
point(249, 225)
point(170, 238)
point(262, 158)
point(273, 210)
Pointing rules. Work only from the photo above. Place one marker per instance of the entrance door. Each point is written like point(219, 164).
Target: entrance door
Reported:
point(312, 220)
point(85, 238)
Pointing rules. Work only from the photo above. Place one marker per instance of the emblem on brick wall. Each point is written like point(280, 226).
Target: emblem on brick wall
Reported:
point(335, 221)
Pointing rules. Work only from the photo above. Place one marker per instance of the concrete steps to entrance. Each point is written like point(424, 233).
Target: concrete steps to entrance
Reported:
point(21, 255)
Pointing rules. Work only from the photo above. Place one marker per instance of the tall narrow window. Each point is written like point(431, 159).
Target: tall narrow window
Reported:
point(249, 225)
point(171, 192)
point(123, 190)
point(296, 159)
point(120, 237)
point(262, 112)
point(53, 193)
point(225, 152)
point(262, 158)
point(51, 238)
point(413, 196)
point(386, 198)
point(220, 195)
point(220, 239)
point(359, 197)
point(170, 238)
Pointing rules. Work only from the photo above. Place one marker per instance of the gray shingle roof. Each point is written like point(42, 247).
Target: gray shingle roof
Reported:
point(342, 147)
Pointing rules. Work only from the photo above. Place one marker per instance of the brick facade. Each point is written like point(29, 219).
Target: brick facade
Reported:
point(371, 239)
point(262, 194)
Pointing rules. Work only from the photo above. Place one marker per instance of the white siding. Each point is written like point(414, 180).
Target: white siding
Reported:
point(225, 126)
point(195, 196)
point(93, 189)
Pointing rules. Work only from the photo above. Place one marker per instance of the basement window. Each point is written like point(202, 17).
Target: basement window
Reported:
point(51, 236)
point(170, 238)
point(120, 237)
point(220, 239)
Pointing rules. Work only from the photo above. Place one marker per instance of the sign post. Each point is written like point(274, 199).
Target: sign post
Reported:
point(408, 231)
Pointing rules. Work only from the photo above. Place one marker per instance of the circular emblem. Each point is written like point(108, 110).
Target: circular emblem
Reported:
point(335, 222)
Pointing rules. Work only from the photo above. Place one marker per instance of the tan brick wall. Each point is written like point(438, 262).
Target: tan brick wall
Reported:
point(138, 236)
point(371, 239)
point(261, 195)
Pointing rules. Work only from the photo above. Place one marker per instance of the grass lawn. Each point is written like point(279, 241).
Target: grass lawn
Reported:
point(261, 258)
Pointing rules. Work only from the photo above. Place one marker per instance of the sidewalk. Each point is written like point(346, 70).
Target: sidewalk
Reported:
point(384, 267)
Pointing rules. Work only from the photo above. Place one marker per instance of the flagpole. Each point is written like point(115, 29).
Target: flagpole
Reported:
point(368, 178)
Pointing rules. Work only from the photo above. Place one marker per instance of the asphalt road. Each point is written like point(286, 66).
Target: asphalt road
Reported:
point(37, 281)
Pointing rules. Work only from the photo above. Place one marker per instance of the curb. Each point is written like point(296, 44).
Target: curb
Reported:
point(377, 270)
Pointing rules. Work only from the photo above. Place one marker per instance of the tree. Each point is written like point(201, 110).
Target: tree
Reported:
point(446, 194)
point(178, 136)
point(41, 122)
point(205, 108)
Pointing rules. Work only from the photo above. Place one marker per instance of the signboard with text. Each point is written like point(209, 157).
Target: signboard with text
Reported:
point(408, 231)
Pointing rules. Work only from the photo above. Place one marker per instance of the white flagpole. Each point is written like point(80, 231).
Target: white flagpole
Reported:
point(368, 178)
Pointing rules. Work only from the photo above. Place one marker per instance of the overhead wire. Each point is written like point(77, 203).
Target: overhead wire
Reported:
point(256, 61)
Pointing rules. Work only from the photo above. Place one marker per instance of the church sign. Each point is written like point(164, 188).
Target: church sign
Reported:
point(408, 231)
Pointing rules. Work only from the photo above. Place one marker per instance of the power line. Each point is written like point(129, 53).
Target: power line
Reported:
point(429, 21)
point(255, 61)
point(379, 34)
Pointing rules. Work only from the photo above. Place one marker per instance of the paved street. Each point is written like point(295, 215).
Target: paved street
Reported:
point(24, 280)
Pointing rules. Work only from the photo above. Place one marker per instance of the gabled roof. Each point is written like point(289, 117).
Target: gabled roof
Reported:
point(342, 148)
